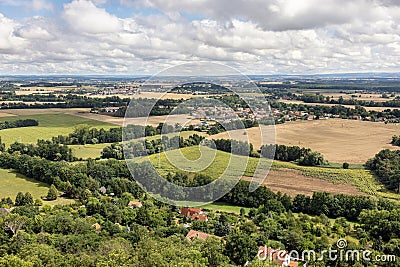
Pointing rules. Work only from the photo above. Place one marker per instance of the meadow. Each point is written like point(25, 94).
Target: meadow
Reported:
point(49, 125)
point(88, 151)
point(11, 183)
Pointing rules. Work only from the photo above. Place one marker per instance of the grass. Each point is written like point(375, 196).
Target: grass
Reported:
point(88, 151)
point(224, 207)
point(363, 179)
point(11, 183)
point(49, 125)
point(215, 169)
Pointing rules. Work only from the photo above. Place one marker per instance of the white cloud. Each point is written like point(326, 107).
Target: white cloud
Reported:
point(268, 36)
point(8, 40)
point(84, 17)
point(35, 5)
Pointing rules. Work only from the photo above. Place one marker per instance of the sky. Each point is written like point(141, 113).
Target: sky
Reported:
point(146, 36)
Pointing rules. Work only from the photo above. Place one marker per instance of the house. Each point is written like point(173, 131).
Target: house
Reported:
point(194, 214)
point(136, 204)
point(188, 212)
point(196, 234)
point(278, 256)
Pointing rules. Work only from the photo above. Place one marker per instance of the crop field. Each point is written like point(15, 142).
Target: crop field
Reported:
point(338, 140)
point(152, 120)
point(88, 151)
point(162, 162)
point(287, 177)
point(11, 183)
point(49, 125)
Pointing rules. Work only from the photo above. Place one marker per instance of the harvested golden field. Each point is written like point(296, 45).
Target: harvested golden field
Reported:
point(325, 104)
point(152, 120)
point(338, 140)
point(5, 114)
point(293, 182)
point(156, 95)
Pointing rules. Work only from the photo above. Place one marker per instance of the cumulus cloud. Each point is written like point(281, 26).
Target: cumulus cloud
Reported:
point(256, 36)
point(84, 17)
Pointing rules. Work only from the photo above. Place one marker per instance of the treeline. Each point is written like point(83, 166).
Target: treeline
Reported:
point(141, 108)
point(231, 125)
point(84, 134)
point(396, 140)
point(318, 98)
point(386, 165)
point(300, 155)
point(333, 206)
point(33, 97)
point(45, 149)
point(342, 111)
point(149, 147)
point(18, 124)
point(67, 101)
point(200, 87)
point(235, 147)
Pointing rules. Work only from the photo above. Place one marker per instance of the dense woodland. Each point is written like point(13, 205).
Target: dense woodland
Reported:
point(18, 124)
point(386, 165)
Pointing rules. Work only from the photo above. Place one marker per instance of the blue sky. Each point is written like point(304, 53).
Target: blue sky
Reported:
point(146, 36)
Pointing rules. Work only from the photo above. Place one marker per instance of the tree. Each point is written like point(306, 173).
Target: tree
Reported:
point(15, 222)
point(346, 165)
point(52, 194)
point(28, 199)
point(240, 247)
point(20, 199)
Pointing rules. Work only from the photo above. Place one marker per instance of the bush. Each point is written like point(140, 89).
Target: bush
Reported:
point(52, 194)
point(346, 165)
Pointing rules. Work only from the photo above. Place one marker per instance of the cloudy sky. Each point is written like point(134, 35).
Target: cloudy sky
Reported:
point(146, 36)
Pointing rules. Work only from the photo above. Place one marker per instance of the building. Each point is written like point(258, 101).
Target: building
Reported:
point(194, 214)
point(196, 234)
point(136, 204)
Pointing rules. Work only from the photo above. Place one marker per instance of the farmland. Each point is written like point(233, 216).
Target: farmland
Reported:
point(338, 140)
point(287, 177)
point(49, 125)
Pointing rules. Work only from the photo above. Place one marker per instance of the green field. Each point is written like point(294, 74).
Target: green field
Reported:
point(215, 169)
point(49, 125)
point(11, 183)
point(88, 151)
point(360, 178)
point(224, 207)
